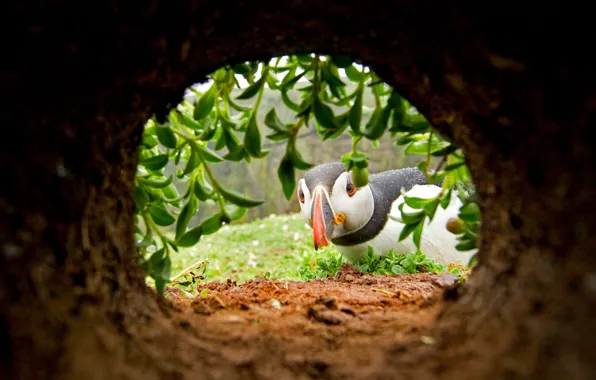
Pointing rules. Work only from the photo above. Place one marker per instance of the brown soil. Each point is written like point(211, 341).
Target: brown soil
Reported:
point(325, 328)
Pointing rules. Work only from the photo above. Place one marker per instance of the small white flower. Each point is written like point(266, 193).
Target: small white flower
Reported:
point(296, 236)
point(251, 256)
point(209, 245)
point(225, 228)
point(252, 264)
point(208, 239)
point(306, 226)
point(284, 227)
point(261, 225)
point(255, 243)
point(294, 217)
point(272, 215)
point(276, 304)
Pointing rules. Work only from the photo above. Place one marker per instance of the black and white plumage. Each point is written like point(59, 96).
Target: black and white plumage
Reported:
point(327, 191)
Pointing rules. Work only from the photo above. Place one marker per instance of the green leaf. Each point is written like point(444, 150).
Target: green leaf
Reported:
point(155, 162)
point(353, 74)
point(209, 132)
point(421, 147)
point(189, 122)
point(279, 136)
point(160, 215)
point(338, 93)
point(166, 137)
point(163, 277)
point(342, 61)
point(374, 131)
point(273, 122)
point(188, 211)
point(289, 84)
point(407, 230)
point(374, 118)
point(191, 237)
point(237, 198)
point(171, 192)
point(252, 138)
point(324, 114)
point(288, 102)
point(405, 140)
point(236, 154)
point(207, 154)
point(241, 68)
point(205, 104)
point(235, 212)
point(289, 76)
point(155, 195)
point(304, 58)
point(212, 224)
point(202, 190)
point(287, 176)
point(332, 79)
point(454, 166)
point(193, 162)
point(418, 234)
point(356, 110)
point(272, 82)
point(149, 141)
point(467, 245)
point(157, 183)
point(264, 153)
point(445, 151)
point(411, 218)
point(470, 212)
point(141, 198)
point(408, 264)
point(254, 88)
point(298, 161)
point(222, 140)
point(445, 199)
point(431, 207)
point(233, 104)
point(417, 203)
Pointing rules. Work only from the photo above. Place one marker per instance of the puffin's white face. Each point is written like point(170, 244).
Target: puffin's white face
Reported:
point(335, 212)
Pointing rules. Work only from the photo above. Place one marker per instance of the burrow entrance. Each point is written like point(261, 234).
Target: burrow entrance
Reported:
point(73, 299)
point(246, 290)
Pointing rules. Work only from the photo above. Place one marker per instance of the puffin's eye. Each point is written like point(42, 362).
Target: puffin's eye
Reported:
point(350, 189)
point(301, 196)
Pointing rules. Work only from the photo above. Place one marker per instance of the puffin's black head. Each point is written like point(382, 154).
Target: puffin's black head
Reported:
point(324, 174)
point(331, 204)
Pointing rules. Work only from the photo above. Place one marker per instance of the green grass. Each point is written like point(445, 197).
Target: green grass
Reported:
point(278, 247)
point(273, 247)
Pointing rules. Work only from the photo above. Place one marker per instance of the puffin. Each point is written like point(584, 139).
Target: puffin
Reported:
point(354, 219)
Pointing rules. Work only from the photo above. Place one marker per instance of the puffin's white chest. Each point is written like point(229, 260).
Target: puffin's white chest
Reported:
point(437, 243)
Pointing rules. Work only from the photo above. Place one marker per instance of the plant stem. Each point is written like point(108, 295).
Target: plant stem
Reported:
point(154, 227)
point(220, 199)
point(355, 141)
point(260, 93)
point(430, 138)
point(191, 266)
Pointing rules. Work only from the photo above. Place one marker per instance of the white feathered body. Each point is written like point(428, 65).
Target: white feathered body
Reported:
point(436, 243)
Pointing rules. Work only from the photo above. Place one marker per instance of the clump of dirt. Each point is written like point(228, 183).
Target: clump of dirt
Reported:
point(317, 328)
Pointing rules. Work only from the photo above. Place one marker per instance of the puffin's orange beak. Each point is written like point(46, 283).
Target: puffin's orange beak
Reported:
point(322, 218)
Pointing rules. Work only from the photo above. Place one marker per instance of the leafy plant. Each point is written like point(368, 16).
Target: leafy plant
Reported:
point(324, 267)
point(219, 127)
point(390, 263)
